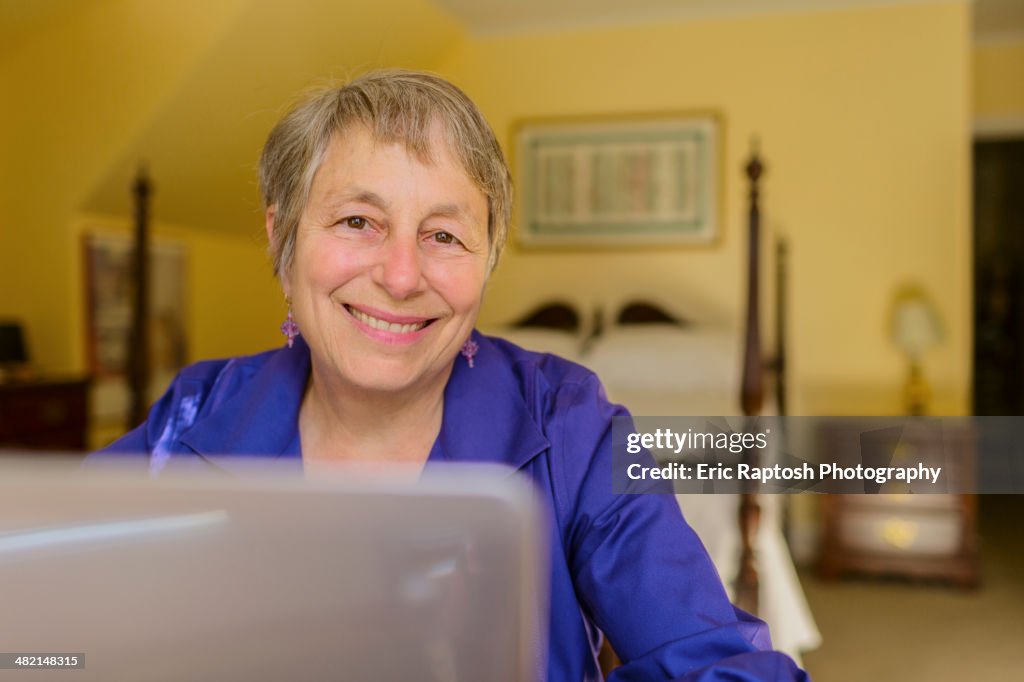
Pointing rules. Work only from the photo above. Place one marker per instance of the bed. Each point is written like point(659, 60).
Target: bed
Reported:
point(655, 359)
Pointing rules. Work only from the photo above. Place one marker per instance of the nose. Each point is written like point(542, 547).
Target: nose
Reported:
point(400, 271)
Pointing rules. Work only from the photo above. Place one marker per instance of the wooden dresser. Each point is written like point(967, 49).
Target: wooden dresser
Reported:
point(916, 536)
point(44, 414)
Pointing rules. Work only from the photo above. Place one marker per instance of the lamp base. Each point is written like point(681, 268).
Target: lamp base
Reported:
point(916, 393)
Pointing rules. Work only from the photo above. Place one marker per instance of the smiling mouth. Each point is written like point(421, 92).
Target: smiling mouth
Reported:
point(384, 325)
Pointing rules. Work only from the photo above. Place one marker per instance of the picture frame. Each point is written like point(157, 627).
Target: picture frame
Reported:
point(607, 181)
point(109, 287)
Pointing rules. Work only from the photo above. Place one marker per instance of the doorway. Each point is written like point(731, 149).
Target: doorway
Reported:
point(998, 282)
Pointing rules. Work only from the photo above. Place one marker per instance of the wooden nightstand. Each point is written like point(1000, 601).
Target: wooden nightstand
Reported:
point(917, 536)
point(44, 414)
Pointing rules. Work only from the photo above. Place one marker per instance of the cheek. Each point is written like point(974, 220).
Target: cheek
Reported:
point(325, 266)
point(461, 286)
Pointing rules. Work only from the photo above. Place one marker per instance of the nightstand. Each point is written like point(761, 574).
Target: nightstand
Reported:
point(44, 414)
point(916, 536)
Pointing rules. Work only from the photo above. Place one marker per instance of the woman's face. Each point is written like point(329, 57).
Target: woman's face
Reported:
point(390, 263)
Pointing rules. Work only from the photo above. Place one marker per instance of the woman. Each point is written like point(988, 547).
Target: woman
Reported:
point(387, 205)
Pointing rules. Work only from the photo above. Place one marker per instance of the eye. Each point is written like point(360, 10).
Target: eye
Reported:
point(443, 237)
point(356, 222)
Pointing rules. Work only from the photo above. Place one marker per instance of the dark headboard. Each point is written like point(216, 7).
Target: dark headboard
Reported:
point(554, 315)
point(645, 312)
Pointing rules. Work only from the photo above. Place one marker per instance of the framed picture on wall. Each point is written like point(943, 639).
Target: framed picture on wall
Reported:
point(650, 180)
point(109, 289)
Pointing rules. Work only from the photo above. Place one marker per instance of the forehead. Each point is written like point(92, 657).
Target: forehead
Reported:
point(356, 157)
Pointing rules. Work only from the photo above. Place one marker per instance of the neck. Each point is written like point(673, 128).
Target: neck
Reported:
point(348, 424)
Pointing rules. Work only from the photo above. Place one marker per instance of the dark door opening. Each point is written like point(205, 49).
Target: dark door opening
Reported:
point(999, 277)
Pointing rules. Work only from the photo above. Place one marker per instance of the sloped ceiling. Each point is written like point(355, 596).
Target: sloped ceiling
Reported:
point(19, 18)
point(201, 149)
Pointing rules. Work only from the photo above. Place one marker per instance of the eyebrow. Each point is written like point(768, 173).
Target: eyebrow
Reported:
point(449, 211)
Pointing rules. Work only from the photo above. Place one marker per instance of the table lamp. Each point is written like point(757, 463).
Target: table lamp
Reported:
point(915, 328)
point(13, 355)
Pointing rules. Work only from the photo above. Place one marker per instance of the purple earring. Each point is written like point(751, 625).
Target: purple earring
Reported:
point(289, 328)
point(469, 350)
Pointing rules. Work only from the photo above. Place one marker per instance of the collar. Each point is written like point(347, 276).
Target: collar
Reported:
point(486, 416)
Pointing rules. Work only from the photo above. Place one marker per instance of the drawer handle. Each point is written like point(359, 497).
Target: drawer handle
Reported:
point(899, 533)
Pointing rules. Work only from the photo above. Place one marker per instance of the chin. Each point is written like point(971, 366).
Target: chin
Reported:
point(385, 376)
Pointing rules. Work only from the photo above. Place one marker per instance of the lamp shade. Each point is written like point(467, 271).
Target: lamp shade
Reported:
point(915, 325)
point(12, 344)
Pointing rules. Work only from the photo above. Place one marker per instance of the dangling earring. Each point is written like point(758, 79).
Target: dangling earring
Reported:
point(469, 349)
point(289, 328)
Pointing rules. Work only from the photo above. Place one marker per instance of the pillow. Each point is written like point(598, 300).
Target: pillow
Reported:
point(552, 341)
point(666, 358)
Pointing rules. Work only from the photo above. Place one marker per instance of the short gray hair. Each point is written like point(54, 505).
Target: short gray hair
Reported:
point(395, 105)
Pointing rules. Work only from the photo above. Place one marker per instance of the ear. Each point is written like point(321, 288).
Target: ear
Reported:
point(270, 216)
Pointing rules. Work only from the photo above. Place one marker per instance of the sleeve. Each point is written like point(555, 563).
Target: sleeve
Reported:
point(642, 574)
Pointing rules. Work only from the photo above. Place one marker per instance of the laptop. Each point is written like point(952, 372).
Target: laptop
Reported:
point(272, 576)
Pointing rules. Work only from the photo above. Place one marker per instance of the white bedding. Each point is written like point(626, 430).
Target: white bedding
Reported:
point(560, 343)
point(666, 359)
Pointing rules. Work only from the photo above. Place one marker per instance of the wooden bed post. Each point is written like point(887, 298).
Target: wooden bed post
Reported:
point(781, 295)
point(751, 395)
point(138, 359)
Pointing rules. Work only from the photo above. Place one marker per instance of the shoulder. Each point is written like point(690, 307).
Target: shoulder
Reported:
point(207, 370)
point(208, 383)
point(196, 391)
point(224, 374)
point(544, 372)
point(569, 406)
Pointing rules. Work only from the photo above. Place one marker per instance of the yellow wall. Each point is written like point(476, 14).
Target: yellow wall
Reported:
point(863, 117)
point(999, 80)
point(79, 91)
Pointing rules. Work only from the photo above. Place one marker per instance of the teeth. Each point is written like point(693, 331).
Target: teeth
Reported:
point(392, 327)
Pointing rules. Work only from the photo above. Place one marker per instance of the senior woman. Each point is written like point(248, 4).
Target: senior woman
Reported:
point(387, 205)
